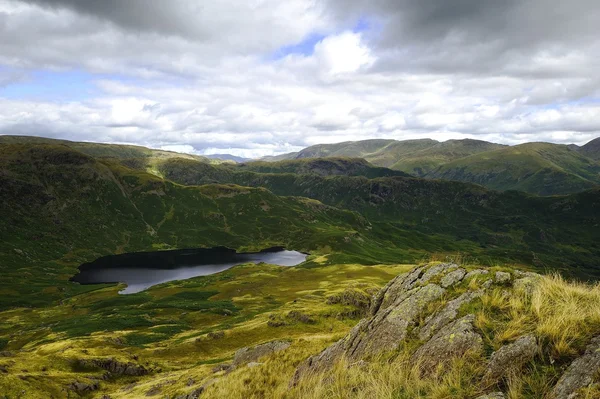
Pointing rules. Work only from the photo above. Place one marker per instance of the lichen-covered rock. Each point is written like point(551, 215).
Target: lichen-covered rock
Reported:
point(83, 387)
point(502, 277)
point(454, 340)
point(527, 284)
point(580, 373)
point(438, 320)
point(493, 395)
point(437, 270)
point(476, 272)
point(248, 355)
point(114, 366)
point(510, 357)
point(453, 277)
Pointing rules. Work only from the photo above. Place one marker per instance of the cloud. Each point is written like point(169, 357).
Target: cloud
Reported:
point(202, 77)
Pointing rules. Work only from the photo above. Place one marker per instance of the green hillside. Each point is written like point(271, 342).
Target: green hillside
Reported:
point(537, 168)
point(331, 166)
point(591, 149)
point(61, 207)
point(424, 161)
point(439, 216)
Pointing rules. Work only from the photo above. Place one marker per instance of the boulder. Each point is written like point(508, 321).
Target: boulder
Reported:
point(83, 387)
point(511, 357)
point(493, 395)
point(502, 277)
point(452, 278)
point(476, 272)
point(440, 319)
point(114, 366)
point(248, 355)
point(580, 373)
point(455, 340)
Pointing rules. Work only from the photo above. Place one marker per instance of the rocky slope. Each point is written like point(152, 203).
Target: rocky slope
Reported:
point(432, 313)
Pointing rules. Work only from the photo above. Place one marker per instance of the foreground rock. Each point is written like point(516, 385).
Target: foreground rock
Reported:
point(455, 340)
point(580, 373)
point(510, 358)
point(113, 366)
point(251, 355)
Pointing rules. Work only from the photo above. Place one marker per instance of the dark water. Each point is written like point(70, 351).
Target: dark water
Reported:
point(144, 269)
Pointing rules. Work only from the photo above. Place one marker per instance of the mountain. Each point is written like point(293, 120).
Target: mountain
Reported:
point(101, 150)
point(424, 161)
point(411, 288)
point(537, 168)
point(410, 213)
point(322, 166)
point(591, 149)
point(61, 207)
point(228, 157)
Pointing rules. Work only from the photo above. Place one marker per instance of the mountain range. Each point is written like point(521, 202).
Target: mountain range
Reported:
point(536, 168)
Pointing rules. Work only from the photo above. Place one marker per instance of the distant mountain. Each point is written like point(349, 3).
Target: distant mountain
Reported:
point(102, 150)
point(322, 167)
point(228, 157)
point(537, 168)
point(412, 156)
point(591, 149)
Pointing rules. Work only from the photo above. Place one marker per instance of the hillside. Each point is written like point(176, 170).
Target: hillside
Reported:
point(591, 149)
point(537, 168)
point(371, 289)
point(331, 166)
point(437, 216)
point(422, 162)
point(62, 207)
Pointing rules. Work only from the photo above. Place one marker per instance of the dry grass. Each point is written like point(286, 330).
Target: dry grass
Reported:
point(563, 315)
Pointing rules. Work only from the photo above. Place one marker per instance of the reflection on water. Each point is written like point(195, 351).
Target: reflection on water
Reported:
point(143, 270)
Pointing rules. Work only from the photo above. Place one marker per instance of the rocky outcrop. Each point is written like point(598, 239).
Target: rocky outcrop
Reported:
point(580, 373)
point(510, 358)
point(437, 320)
point(252, 354)
point(113, 366)
point(83, 387)
point(502, 277)
point(454, 340)
point(452, 278)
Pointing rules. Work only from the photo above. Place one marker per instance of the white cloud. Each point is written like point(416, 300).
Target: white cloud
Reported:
point(209, 82)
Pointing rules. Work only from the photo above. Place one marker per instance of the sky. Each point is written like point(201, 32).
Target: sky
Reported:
point(263, 77)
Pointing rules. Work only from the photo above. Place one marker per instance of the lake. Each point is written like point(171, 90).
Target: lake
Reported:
point(142, 270)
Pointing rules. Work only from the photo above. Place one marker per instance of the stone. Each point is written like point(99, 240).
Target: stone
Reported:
point(455, 340)
point(493, 395)
point(502, 277)
point(476, 272)
point(526, 285)
point(452, 278)
point(82, 387)
point(511, 357)
point(580, 373)
point(440, 319)
point(248, 355)
point(436, 270)
point(253, 364)
point(114, 366)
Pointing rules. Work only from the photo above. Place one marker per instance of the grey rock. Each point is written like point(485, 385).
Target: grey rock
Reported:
point(454, 340)
point(580, 373)
point(440, 319)
point(493, 395)
point(453, 277)
point(502, 277)
point(487, 283)
point(82, 387)
point(253, 364)
point(510, 357)
point(526, 285)
point(437, 270)
point(248, 355)
point(384, 331)
point(476, 272)
point(114, 366)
